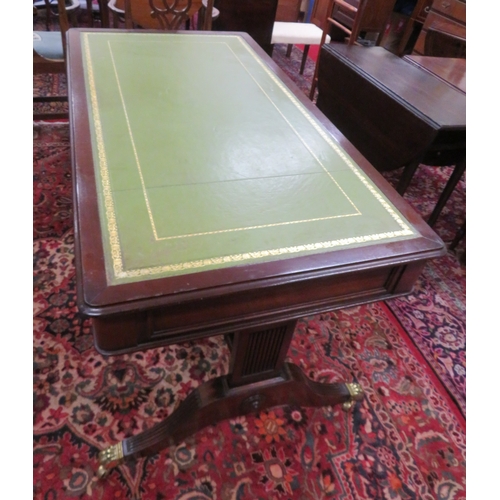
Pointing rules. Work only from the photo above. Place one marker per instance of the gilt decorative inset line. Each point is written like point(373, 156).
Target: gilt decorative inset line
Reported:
point(112, 229)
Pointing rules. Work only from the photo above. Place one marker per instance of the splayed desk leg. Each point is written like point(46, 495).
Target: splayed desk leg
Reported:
point(259, 379)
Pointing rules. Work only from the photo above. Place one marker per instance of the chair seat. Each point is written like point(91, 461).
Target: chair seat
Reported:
point(48, 44)
point(297, 33)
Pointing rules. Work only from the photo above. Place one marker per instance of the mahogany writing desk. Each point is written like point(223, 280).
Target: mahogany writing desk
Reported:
point(211, 197)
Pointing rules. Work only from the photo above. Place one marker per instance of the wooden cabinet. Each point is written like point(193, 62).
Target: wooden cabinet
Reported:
point(255, 17)
point(444, 15)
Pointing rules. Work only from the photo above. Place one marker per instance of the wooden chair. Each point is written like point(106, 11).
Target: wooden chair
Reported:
point(289, 28)
point(350, 19)
point(162, 14)
point(49, 56)
point(297, 33)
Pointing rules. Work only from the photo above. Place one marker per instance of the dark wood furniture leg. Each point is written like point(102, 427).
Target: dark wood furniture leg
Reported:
point(48, 15)
point(450, 186)
point(104, 13)
point(304, 59)
point(259, 378)
point(407, 176)
point(458, 237)
point(90, 13)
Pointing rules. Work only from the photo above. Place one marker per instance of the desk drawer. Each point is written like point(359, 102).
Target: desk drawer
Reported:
point(177, 323)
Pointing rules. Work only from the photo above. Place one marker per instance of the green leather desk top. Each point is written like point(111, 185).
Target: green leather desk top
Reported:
point(205, 159)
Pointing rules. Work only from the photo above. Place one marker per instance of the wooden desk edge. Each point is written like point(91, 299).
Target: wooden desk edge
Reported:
point(92, 299)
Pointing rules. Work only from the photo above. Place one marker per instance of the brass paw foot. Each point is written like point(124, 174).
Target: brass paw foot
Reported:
point(109, 458)
point(356, 395)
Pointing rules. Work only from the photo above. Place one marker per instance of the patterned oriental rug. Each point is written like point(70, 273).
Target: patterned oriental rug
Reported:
point(405, 440)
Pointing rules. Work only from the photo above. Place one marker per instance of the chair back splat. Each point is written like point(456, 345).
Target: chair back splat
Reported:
point(167, 14)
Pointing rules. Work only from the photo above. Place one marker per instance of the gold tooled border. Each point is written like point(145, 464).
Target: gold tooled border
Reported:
point(116, 256)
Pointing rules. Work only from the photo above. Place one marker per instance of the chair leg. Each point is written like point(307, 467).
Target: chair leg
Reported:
point(104, 13)
point(200, 19)
point(407, 176)
point(289, 50)
point(90, 12)
point(314, 81)
point(304, 59)
point(48, 13)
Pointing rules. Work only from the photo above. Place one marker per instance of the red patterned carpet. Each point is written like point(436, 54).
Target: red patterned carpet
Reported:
point(405, 440)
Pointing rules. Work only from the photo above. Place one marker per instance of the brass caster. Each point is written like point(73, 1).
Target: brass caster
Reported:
point(356, 394)
point(347, 405)
point(102, 472)
point(109, 458)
